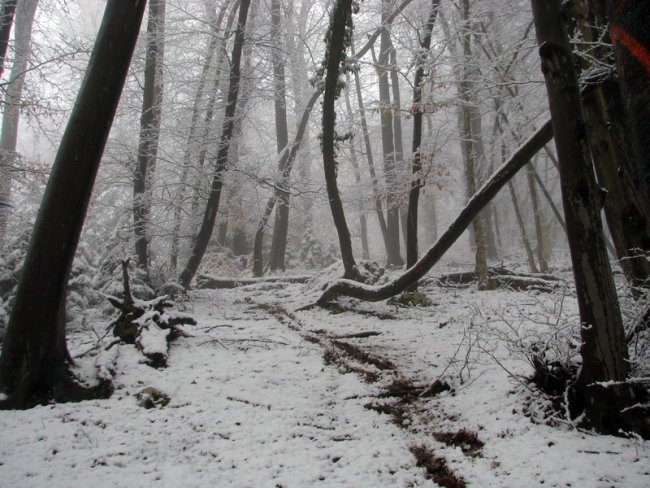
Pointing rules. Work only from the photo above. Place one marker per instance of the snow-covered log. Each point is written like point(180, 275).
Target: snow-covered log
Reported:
point(149, 324)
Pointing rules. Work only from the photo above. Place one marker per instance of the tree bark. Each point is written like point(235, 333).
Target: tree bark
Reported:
point(477, 203)
point(34, 361)
point(604, 351)
point(152, 100)
point(624, 218)
point(339, 30)
point(221, 163)
point(25, 12)
point(630, 33)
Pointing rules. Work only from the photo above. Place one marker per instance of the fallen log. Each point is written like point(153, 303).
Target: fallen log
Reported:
point(212, 283)
point(478, 201)
point(503, 278)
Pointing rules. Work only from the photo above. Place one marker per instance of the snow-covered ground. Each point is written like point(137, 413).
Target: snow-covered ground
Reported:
point(263, 395)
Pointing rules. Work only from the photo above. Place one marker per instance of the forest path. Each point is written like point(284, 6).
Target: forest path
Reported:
point(265, 396)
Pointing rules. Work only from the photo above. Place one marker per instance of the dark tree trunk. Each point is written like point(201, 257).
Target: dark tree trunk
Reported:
point(630, 33)
point(416, 165)
point(6, 21)
point(152, 100)
point(281, 227)
point(476, 203)
point(339, 30)
point(221, 163)
point(604, 350)
point(624, 217)
point(610, 151)
point(34, 362)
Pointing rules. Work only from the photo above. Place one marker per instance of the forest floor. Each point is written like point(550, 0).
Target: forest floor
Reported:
point(263, 395)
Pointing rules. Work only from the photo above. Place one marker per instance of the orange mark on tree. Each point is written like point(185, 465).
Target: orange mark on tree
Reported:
point(636, 49)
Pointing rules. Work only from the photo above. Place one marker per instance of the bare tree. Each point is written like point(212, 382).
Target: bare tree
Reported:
point(281, 227)
point(25, 12)
point(150, 119)
point(417, 111)
point(340, 32)
point(221, 162)
point(604, 351)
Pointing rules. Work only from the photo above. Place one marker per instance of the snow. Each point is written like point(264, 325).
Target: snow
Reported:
point(254, 404)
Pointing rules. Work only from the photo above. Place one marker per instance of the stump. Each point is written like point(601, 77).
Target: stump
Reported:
point(149, 324)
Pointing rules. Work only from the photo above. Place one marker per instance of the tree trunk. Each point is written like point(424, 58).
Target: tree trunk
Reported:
point(339, 34)
point(379, 210)
point(624, 218)
point(522, 229)
point(281, 227)
point(604, 352)
point(289, 156)
point(192, 137)
point(474, 206)
point(8, 138)
point(630, 33)
point(393, 256)
point(416, 165)
point(212, 206)
point(363, 225)
point(34, 361)
point(469, 145)
point(6, 21)
point(537, 217)
point(150, 119)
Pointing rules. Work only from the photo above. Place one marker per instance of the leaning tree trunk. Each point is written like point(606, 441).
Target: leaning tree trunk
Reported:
point(416, 165)
point(6, 21)
point(221, 163)
point(476, 203)
point(150, 118)
point(340, 32)
point(34, 362)
point(8, 138)
point(604, 351)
